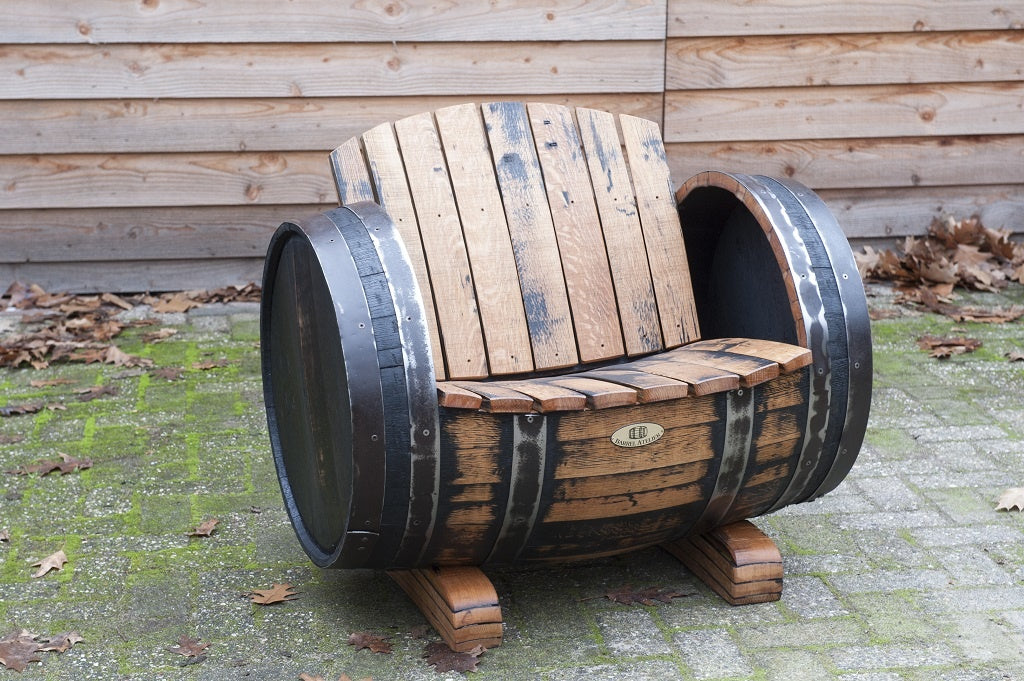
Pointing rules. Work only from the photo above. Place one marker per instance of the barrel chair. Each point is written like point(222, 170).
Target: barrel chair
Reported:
point(514, 343)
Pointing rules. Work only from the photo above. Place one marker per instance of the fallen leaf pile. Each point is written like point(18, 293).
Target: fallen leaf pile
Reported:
point(936, 298)
point(19, 648)
point(961, 252)
point(944, 348)
point(1013, 498)
point(444, 659)
point(79, 328)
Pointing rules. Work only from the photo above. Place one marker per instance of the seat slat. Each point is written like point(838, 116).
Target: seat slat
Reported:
point(704, 380)
point(499, 399)
point(751, 370)
point(444, 247)
point(663, 234)
point(487, 240)
point(549, 397)
point(577, 227)
point(649, 387)
point(788, 357)
point(392, 189)
point(351, 177)
point(452, 396)
point(623, 237)
point(600, 394)
point(533, 235)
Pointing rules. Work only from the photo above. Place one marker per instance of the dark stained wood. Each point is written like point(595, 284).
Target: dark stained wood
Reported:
point(751, 370)
point(600, 394)
point(738, 562)
point(459, 602)
point(788, 357)
point(648, 387)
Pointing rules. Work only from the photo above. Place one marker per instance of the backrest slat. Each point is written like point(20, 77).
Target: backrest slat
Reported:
point(663, 236)
point(388, 175)
point(487, 240)
point(623, 237)
point(444, 247)
point(533, 235)
point(350, 174)
point(581, 245)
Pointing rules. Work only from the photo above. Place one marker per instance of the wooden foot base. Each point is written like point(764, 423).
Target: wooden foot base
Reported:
point(459, 602)
point(737, 561)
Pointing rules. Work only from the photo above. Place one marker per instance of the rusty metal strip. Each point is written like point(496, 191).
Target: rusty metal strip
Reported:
point(526, 483)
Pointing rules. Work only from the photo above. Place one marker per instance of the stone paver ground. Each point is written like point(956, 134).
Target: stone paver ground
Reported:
point(905, 572)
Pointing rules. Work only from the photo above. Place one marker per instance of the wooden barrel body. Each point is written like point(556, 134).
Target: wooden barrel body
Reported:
point(375, 474)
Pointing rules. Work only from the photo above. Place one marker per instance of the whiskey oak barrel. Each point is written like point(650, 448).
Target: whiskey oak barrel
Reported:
point(375, 474)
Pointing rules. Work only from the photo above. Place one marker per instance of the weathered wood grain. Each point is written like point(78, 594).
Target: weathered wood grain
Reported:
point(328, 70)
point(889, 213)
point(189, 21)
point(447, 260)
point(663, 237)
point(844, 111)
point(581, 245)
point(859, 59)
point(351, 174)
point(862, 163)
point(742, 17)
point(487, 241)
point(176, 233)
point(533, 235)
point(623, 236)
point(134, 276)
point(240, 124)
point(148, 180)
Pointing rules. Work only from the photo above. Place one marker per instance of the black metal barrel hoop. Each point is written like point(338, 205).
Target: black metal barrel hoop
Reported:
point(761, 269)
point(335, 384)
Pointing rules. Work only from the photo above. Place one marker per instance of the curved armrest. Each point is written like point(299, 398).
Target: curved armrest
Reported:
point(768, 260)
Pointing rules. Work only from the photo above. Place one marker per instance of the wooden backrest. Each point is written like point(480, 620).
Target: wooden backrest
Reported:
point(535, 244)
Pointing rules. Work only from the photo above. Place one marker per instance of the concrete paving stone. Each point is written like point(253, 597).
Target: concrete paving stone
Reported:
point(893, 618)
point(971, 567)
point(711, 653)
point(890, 580)
point(651, 670)
point(972, 599)
point(792, 665)
point(712, 611)
point(980, 535)
point(888, 550)
point(890, 520)
point(835, 631)
point(958, 433)
point(987, 639)
point(810, 598)
point(883, 657)
point(823, 564)
point(631, 632)
point(994, 478)
point(889, 493)
point(210, 323)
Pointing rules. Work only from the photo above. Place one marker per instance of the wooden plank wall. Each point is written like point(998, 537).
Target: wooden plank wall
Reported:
point(156, 144)
point(894, 112)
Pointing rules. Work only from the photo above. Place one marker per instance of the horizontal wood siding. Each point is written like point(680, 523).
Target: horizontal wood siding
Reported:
point(157, 144)
point(895, 113)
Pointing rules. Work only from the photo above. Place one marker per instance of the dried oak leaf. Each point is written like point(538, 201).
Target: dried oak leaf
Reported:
point(114, 355)
point(168, 373)
point(21, 409)
point(204, 529)
point(158, 335)
point(90, 394)
point(116, 300)
point(69, 464)
point(189, 647)
point(61, 642)
point(215, 364)
point(944, 348)
point(17, 649)
point(277, 593)
point(364, 639)
point(445, 659)
point(1012, 498)
point(627, 595)
point(5, 535)
point(54, 561)
point(49, 383)
point(174, 302)
point(1015, 355)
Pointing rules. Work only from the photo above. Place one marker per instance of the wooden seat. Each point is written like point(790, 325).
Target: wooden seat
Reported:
point(494, 352)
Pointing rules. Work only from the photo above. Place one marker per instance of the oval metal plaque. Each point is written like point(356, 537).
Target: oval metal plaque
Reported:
point(637, 434)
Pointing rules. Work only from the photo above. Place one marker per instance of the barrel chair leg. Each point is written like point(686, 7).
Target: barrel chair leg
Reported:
point(736, 561)
point(459, 602)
